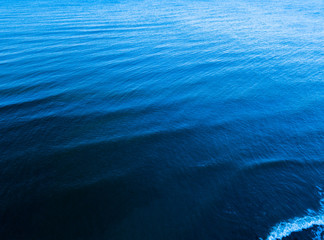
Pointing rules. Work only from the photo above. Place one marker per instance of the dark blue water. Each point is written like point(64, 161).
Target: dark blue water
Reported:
point(194, 119)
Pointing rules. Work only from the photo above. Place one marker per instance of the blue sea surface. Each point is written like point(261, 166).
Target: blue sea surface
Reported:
point(164, 120)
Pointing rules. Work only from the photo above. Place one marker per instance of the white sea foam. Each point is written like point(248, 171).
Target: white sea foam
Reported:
point(284, 229)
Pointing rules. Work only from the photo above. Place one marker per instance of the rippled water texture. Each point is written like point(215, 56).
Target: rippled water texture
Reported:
point(161, 119)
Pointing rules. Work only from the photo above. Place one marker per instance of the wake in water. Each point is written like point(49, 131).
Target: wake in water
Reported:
point(313, 224)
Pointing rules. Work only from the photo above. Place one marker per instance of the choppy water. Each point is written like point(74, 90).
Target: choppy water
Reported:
point(161, 119)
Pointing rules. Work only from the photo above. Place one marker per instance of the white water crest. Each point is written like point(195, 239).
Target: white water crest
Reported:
point(313, 219)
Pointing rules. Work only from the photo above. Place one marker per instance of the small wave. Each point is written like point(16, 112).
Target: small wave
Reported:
point(313, 221)
point(285, 229)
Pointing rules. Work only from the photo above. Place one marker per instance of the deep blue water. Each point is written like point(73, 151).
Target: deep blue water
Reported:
point(164, 120)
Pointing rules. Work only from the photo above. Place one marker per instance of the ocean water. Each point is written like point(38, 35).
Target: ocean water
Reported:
point(173, 119)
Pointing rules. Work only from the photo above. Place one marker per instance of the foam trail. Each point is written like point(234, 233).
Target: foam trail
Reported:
point(313, 219)
point(284, 229)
